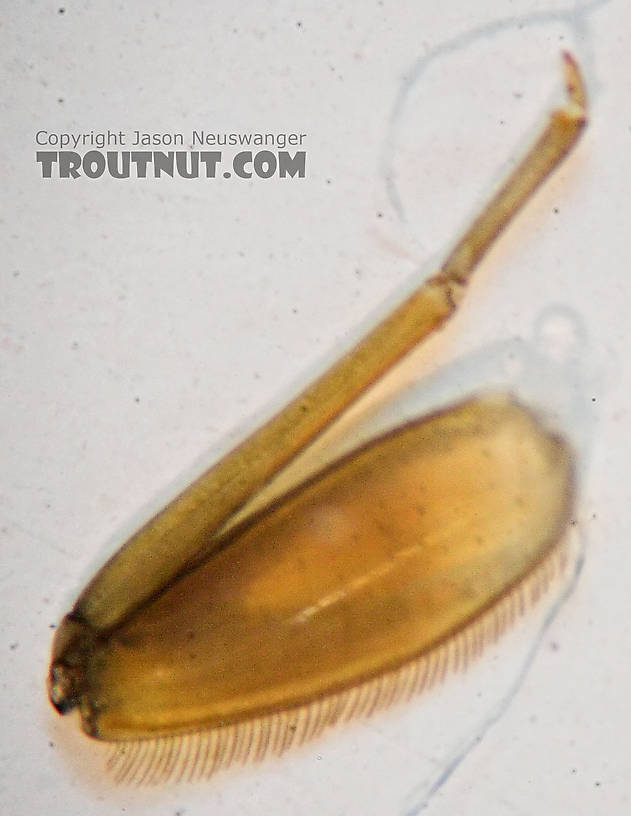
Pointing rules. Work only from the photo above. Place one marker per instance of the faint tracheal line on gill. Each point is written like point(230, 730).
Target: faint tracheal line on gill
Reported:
point(355, 585)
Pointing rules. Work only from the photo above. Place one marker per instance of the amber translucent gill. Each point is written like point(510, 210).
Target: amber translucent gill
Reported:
point(370, 564)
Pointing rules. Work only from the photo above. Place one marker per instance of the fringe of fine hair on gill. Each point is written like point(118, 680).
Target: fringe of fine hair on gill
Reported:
point(200, 754)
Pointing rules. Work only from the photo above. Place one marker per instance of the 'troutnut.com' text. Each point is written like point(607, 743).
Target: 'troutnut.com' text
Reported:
point(263, 163)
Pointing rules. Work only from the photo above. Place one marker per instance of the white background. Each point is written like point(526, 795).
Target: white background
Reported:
point(145, 325)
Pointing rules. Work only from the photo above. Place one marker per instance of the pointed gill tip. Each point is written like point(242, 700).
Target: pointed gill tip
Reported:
point(575, 84)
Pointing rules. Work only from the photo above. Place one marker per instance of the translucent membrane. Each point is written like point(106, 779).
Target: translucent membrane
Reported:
point(370, 564)
point(377, 563)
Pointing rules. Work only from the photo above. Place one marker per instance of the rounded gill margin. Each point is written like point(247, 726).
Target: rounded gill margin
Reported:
point(198, 755)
